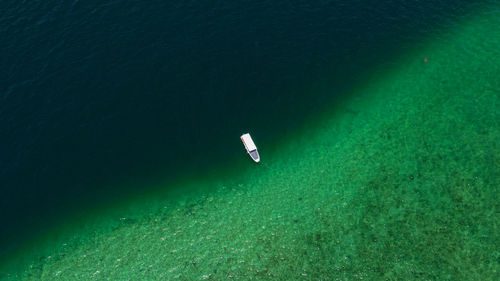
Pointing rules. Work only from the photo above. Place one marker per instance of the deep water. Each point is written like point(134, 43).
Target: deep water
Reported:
point(97, 94)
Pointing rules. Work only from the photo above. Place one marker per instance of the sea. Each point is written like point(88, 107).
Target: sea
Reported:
point(101, 100)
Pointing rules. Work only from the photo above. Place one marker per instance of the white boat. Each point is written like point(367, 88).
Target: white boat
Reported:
point(250, 147)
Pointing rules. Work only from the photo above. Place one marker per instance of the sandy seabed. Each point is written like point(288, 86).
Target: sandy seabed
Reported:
point(398, 182)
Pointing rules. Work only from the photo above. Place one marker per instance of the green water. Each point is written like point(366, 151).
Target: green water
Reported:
point(398, 183)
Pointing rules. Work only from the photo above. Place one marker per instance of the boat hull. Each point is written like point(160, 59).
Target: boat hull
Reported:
point(250, 147)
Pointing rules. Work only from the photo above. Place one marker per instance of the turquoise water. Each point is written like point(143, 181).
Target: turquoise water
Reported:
point(103, 101)
point(396, 178)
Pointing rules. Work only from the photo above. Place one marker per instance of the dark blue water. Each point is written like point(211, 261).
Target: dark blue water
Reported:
point(97, 95)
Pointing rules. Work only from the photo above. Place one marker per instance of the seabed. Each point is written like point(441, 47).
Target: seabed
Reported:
point(399, 181)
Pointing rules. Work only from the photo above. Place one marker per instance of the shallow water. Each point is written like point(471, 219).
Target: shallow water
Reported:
point(397, 175)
